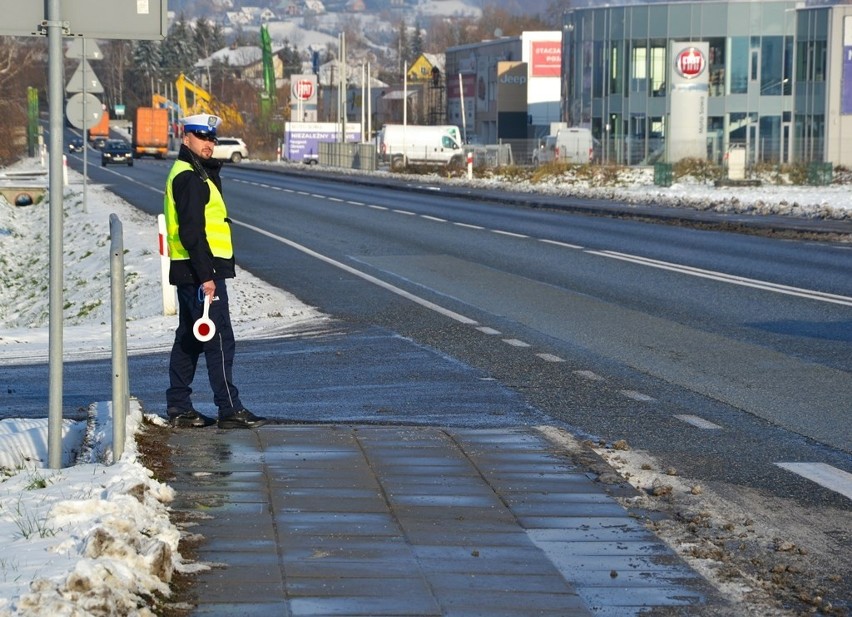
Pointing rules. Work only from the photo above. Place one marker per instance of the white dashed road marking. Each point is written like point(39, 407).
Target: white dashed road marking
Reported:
point(698, 421)
point(549, 357)
point(588, 375)
point(637, 396)
point(487, 330)
point(826, 476)
point(515, 342)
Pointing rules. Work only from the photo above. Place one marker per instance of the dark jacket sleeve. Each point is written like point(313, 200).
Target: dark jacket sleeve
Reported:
point(191, 194)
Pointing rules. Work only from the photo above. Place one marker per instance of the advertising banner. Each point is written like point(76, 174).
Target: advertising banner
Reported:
point(546, 58)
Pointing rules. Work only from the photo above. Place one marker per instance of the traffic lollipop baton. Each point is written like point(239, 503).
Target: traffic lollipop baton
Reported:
point(204, 328)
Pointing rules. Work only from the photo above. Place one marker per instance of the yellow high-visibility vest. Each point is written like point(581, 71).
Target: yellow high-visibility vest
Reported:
point(218, 230)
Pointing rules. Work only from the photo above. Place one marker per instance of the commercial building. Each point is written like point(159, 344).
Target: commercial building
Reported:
point(657, 81)
point(505, 89)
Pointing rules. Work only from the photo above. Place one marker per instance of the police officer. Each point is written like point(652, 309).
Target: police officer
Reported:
point(202, 258)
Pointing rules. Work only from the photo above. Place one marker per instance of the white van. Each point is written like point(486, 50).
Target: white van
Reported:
point(415, 144)
point(546, 151)
point(575, 145)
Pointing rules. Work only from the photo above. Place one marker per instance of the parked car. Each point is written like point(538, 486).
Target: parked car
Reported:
point(231, 149)
point(76, 145)
point(117, 151)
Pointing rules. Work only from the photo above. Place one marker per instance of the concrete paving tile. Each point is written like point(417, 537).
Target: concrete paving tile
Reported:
point(356, 586)
point(490, 611)
point(522, 602)
point(608, 547)
point(495, 512)
point(586, 577)
point(231, 609)
point(332, 570)
point(393, 561)
point(240, 556)
point(528, 511)
point(235, 581)
point(484, 499)
point(284, 502)
point(640, 596)
point(214, 545)
point(364, 607)
point(337, 522)
point(569, 497)
point(470, 582)
point(603, 526)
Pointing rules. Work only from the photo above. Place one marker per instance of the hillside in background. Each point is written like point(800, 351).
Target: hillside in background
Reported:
point(216, 9)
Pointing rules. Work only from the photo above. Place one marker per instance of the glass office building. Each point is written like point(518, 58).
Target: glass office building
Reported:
point(775, 68)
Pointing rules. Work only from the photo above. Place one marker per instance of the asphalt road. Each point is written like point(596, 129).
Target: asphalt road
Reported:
point(725, 354)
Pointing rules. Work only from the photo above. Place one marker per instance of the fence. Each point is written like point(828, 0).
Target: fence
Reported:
point(348, 155)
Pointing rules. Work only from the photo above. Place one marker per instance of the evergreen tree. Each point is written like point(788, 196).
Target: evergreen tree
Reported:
point(205, 41)
point(417, 46)
point(178, 50)
point(146, 58)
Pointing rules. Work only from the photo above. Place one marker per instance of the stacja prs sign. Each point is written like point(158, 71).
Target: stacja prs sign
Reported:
point(690, 63)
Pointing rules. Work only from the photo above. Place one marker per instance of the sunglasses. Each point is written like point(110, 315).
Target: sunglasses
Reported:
point(203, 136)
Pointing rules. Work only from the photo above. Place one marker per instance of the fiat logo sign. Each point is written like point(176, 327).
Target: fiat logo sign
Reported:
point(690, 63)
point(303, 89)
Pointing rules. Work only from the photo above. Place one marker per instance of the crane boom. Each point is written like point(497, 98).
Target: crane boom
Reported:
point(204, 102)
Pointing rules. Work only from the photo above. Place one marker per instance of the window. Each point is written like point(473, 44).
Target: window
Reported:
point(639, 68)
point(738, 65)
point(658, 68)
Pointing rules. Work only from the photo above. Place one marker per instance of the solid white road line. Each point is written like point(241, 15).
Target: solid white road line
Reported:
point(832, 478)
point(367, 277)
point(728, 278)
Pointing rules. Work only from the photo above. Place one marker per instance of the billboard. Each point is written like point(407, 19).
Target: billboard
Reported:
point(301, 139)
point(303, 98)
point(690, 86)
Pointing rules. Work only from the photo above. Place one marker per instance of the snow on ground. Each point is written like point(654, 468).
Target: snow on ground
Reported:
point(94, 538)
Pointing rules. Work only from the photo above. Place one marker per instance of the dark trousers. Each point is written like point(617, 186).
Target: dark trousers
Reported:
point(218, 351)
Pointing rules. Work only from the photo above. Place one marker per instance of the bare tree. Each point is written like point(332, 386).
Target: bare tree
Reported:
point(22, 64)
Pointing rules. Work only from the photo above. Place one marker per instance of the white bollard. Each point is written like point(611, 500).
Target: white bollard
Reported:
point(169, 303)
point(470, 165)
point(64, 170)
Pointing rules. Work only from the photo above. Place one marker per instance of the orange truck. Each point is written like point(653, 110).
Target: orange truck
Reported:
point(101, 129)
point(151, 132)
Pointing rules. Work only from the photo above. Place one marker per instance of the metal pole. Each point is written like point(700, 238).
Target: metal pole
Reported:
point(464, 118)
point(85, 130)
point(55, 293)
point(120, 395)
point(369, 105)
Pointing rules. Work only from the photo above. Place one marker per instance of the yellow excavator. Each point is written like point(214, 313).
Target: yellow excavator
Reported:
point(193, 99)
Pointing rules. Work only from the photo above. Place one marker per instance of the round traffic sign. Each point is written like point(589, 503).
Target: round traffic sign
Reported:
point(83, 112)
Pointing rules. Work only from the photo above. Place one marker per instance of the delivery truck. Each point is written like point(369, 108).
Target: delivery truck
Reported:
point(101, 129)
point(410, 144)
point(151, 132)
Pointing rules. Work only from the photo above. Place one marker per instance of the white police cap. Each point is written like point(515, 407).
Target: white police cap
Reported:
point(201, 123)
